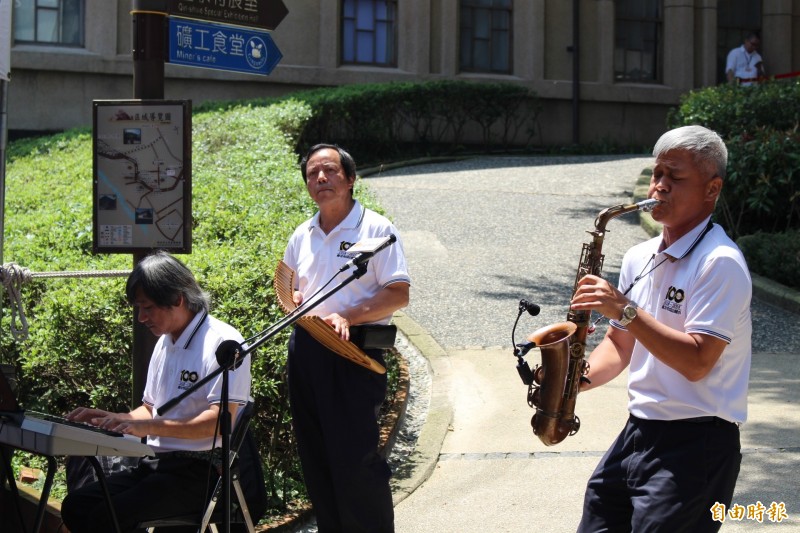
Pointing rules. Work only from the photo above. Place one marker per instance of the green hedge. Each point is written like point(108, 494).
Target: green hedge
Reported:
point(759, 125)
point(761, 196)
point(405, 120)
point(732, 110)
point(762, 189)
point(247, 198)
point(776, 256)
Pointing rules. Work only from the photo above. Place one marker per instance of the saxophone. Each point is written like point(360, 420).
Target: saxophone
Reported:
point(562, 345)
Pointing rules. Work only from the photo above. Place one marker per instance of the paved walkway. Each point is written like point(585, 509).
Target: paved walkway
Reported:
point(482, 234)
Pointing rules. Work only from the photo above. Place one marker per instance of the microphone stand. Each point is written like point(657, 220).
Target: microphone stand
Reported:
point(230, 355)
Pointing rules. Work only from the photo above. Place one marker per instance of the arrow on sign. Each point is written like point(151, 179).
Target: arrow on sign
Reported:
point(221, 46)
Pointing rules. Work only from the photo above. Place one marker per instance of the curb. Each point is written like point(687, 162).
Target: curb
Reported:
point(29, 502)
point(423, 461)
point(378, 169)
point(776, 294)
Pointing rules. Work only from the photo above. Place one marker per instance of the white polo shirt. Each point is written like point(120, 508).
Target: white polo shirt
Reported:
point(743, 64)
point(176, 366)
point(707, 291)
point(317, 257)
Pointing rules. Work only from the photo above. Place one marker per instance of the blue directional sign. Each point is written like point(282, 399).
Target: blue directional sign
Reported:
point(221, 46)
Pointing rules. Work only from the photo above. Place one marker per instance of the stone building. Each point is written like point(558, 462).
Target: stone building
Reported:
point(607, 70)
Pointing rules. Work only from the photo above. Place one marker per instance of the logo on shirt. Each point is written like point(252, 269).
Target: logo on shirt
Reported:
point(343, 247)
point(188, 377)
point(673, 301)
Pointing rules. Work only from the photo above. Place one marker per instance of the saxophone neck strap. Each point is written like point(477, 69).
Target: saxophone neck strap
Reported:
point(646, 272)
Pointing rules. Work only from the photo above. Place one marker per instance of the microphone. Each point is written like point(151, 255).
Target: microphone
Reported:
point(367, 254)
point(227, 352)
point(525, 305)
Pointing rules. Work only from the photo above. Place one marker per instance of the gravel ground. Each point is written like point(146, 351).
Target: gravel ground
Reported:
point(418, 399)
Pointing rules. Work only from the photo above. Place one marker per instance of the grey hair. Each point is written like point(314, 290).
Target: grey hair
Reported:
point(705, 145)
point(164, 279)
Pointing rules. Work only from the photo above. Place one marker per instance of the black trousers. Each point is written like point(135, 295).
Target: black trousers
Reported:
point(334, 405)
point(159, 487)
point(663, 476)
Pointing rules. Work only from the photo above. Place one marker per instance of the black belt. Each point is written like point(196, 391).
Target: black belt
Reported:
point(696, 420)
point(714, 420)
point(214, 457)
point(373, 336)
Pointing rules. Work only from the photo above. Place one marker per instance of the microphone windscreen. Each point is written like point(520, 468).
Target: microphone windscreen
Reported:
point(227, 352)
point(531, 308)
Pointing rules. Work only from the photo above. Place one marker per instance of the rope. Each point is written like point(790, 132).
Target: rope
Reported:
point(14, 276)
point(783, 76)
point(81, 274)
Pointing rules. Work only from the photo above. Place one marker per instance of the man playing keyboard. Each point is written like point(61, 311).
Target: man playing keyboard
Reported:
point(174, 482)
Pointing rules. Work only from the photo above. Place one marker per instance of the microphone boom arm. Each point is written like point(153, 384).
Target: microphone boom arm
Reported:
point(226, 350)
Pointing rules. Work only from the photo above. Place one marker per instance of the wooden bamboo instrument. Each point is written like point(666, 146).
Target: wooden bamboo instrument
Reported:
point(315, 326)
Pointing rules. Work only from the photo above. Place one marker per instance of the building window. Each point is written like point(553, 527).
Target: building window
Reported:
point(638, 46)
point(486, 36)
point(368, 32)
point(49, 22)
point(735, 19)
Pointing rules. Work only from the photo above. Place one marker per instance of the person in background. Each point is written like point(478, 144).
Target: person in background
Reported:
point(334, 402)
point(681, 326)
point(178, 479)
point(744, 63)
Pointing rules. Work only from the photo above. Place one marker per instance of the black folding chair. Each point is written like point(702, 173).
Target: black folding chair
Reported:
point(242, 441)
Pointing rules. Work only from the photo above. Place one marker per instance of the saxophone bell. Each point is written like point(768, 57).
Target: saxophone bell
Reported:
point(550, 383)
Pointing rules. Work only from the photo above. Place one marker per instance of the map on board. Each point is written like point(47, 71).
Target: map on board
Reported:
point(142, 185)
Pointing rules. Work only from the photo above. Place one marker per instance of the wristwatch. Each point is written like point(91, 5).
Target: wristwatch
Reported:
point(629, 312)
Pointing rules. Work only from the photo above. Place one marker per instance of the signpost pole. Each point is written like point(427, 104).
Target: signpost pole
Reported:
point(254, 52)
point(149, 44)
point(5, 68)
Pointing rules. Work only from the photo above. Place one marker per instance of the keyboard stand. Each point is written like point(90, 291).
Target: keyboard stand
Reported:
point(12, 484)
point(48, 484)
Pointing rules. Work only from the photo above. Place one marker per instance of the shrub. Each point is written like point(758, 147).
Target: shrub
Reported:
point(393, 120)
point(762, 189)
point(731, 110)
point(759, 125)
point(776, 256)
point(247, 199)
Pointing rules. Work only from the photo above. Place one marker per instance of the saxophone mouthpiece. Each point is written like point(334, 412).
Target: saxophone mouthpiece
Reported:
point(648, 205)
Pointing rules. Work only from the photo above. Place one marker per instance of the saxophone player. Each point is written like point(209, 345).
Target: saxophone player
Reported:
point(680, 323)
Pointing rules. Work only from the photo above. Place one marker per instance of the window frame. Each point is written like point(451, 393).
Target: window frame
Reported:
point(391, 42)
point(39, 8)
point(657, 49)
point(472, 6)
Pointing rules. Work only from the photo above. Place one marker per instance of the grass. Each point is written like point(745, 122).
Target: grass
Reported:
point(248, 197)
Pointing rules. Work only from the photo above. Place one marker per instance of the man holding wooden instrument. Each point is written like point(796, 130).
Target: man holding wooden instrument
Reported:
point(334, 402)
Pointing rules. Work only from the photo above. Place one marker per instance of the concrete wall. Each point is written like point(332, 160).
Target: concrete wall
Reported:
point(52, 87)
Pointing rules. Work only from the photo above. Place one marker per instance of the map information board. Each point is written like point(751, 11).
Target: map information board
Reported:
point(142, 176)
